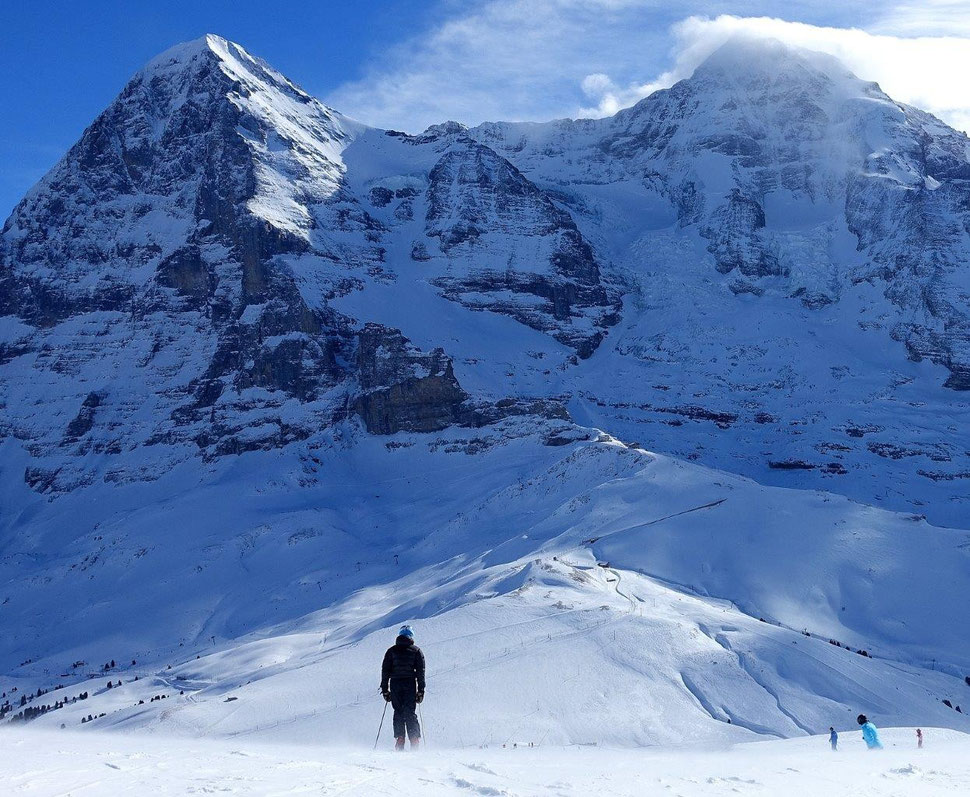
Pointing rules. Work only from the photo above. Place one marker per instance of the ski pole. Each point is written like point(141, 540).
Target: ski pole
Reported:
point(381, 726)
point(424, 728)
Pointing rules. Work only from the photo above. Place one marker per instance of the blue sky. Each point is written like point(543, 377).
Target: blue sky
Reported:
point(409, 63)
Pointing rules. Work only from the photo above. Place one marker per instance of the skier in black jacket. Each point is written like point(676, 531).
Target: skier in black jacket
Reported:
point(402, 683)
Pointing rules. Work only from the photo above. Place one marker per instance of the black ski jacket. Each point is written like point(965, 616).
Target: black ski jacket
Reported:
point(403, 661)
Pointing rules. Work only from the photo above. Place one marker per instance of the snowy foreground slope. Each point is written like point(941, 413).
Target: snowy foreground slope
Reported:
point(274, 383)
point(47, 764)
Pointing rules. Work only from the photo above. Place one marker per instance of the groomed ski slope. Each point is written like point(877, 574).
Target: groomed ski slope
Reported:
point(567, 652)
point(574, 654)
point(45, 764)
point(498, 565)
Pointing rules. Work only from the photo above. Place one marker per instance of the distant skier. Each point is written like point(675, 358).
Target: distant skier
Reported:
point(919, 738)
point(833, 738)
point(869, 733)
point(402, 684)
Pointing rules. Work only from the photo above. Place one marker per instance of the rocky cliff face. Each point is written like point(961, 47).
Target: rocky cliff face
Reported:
point(504, 238)
point(157, 236)
point(791, 167)
point(403, 389)
point(762, 268)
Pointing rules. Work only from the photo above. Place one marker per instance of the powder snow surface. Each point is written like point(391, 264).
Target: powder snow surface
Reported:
point(47, 764)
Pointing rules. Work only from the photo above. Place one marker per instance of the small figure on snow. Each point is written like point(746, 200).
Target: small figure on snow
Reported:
point(833, 738)
point(402, 684)
point(919, 738)
point(869, 733)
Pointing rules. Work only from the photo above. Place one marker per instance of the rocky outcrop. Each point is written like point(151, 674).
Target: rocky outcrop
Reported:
point(188, 275)
point(506, 241)
point(84, 420)
point(735, 231)
point(402, 388)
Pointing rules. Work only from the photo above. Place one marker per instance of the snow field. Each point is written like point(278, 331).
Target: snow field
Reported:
point(49, 763)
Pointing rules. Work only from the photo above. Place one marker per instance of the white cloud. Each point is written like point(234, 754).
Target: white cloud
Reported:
point(925, 18)
point(542, 59)
point(503, 59)
point(926, 71)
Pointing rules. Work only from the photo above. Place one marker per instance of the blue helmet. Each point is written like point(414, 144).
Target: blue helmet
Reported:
point(406, 631)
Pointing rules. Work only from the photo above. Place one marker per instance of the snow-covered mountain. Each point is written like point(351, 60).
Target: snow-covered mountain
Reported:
point(274, 381)
point(796, 244)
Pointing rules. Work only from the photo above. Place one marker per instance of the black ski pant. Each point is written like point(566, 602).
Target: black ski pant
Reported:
point(404, 693)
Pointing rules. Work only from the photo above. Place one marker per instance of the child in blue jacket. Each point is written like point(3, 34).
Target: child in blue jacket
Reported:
point(869, 733)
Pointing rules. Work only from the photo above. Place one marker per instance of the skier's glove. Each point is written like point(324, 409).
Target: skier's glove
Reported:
point(387, 695)
point(419, 698)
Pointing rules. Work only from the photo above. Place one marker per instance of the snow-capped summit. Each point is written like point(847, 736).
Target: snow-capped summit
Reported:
point(176, 57)
point(234, 61)
point(212, 47)
point(746, 57)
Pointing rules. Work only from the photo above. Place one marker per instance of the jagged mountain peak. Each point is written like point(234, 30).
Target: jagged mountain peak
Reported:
point(203, 121)
point(226, 71)
point(183, 53)
point(234, 61)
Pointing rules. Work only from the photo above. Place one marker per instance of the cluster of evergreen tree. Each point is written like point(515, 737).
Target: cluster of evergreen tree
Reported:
point(29, 712)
